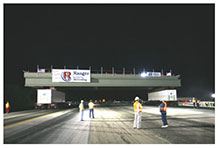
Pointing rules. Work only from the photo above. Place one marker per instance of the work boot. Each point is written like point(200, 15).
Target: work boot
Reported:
point(164, 126)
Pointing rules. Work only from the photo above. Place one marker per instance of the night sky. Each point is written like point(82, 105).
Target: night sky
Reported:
point(176, 37)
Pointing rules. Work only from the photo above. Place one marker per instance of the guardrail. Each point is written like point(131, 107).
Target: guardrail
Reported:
point(113, 71)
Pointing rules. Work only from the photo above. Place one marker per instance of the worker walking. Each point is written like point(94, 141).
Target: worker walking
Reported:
point(137, 113)
point(7, 106)
point(91, 109)
point(194, 102)
point(81, 108)
point(163, 110)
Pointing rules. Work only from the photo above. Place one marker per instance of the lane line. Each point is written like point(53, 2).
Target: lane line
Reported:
point(23, 114)
point(29, 120)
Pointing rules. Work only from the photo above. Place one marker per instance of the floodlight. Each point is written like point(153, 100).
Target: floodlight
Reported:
point(213, 95)
point(143, 74)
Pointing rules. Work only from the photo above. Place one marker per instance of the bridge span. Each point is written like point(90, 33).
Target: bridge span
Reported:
point(34, 79)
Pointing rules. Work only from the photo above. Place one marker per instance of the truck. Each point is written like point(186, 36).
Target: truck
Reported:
point(167, 95)
point(50, 99)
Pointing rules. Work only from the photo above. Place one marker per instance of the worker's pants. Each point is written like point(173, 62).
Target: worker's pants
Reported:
point(164, 117)
point(91, 111)
point(81, 114)
point(197, 105)
point(7, 110)
point(194, 104)
point(137, 120)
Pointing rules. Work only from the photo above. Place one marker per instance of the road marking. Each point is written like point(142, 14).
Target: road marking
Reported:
point(29, 120)
point(14, 116)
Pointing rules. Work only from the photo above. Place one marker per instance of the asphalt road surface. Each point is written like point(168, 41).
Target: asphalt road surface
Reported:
point(112, 125)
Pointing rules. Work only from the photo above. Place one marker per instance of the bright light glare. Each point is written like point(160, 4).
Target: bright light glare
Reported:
point(213, 95)
point(143, 74)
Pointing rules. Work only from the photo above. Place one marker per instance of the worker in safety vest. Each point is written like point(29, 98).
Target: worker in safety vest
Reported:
point(194, 102)
point(7, 106)
point(137, 113)
point(197, 103)
point(91, 109)
point(81, 108)
point(163, 110)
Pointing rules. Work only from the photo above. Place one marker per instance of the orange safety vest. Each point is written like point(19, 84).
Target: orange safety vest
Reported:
point(165, 107)
point(137, 107)
point(7, 105)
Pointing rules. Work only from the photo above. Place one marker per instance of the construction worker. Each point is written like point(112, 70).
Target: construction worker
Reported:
point(91, 109)
point(137, 113)
point(163, 110)
point(81, 108)
point(194, 102)
point(197, 103)
point(7, 106)
point(206, 103)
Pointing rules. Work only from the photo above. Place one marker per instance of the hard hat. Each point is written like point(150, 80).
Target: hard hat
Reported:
point(136, 98)
point(82, 101)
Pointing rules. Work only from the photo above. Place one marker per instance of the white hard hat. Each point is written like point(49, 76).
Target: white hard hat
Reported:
point(136, 98)
point(82, 101)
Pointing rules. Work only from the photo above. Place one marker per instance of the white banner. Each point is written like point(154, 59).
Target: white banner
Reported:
point(70, 75)
point(153, 74)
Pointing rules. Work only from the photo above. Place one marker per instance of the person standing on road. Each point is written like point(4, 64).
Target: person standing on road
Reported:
point(194, 102)
point(163, 110)
point(137, 113)
point(81, 108)
point(197, 103)
point(91, 109)
point(7, 106)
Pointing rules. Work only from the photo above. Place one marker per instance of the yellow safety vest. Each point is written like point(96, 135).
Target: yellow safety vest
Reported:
point(137, 107)
point(7, 105)
point(81, 106)
point(91, 105)
point(194, 100)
